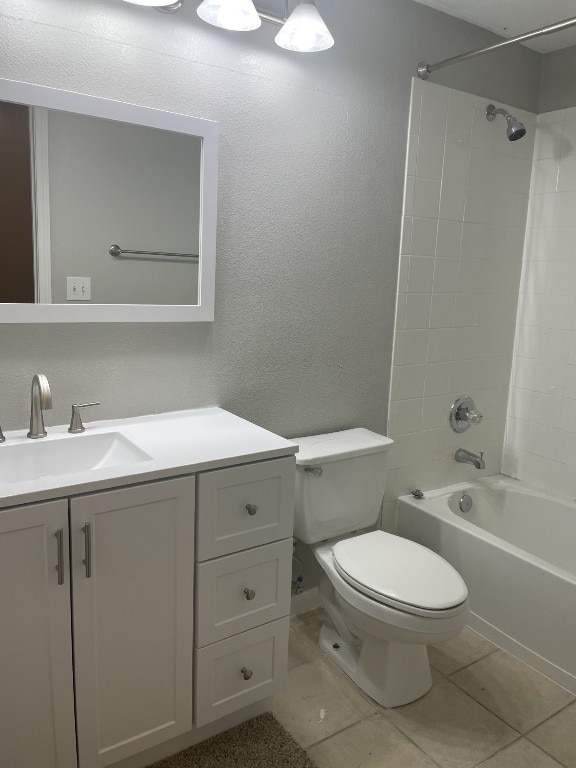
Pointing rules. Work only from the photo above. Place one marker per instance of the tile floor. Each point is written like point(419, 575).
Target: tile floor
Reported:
point(485, 708)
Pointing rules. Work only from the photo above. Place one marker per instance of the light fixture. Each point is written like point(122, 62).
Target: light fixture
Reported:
point(153, 3)
point(305, 30)
point(237, 15)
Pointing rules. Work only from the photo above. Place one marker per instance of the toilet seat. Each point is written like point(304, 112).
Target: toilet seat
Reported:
point(400, 573)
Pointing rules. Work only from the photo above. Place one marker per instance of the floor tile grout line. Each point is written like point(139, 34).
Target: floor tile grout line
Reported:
point(469, 664)
point(556, 760)
point(382, 711)
point(527, 735)
point(499, 716)
point(570, 703)
point(367, 717)
point(337, 733)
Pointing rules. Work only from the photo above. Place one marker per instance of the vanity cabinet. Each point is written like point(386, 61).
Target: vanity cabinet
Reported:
point(132, 579)
point(245, 515)
point(133, 616)
point(132, 599)
point(36, 685)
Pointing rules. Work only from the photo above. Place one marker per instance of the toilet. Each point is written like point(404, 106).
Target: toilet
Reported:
point(386, 598)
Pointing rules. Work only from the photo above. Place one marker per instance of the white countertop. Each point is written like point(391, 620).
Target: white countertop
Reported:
point(178, 443)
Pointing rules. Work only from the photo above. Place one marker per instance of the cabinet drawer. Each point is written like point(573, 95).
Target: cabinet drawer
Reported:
point(241, 591)
point(244, 507)
point(241, 670)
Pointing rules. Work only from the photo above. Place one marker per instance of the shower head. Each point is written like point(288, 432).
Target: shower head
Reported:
point(515, 129)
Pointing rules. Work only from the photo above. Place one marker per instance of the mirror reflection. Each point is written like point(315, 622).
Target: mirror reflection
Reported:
point(97, 211)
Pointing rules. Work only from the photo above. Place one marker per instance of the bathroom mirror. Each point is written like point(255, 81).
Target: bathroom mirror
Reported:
point(108, 210)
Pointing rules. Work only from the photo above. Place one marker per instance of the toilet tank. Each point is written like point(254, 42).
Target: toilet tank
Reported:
point(340, 479)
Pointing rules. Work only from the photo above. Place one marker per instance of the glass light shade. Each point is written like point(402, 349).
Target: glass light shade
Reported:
point(305, 30)
point(151, 3)
point(237, 15)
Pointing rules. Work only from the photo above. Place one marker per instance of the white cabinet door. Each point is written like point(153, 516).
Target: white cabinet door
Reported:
point(36, 686)
point(133, 588)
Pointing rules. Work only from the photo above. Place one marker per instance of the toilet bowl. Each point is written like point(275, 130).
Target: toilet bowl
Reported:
point(378, 630)
point(386, 598)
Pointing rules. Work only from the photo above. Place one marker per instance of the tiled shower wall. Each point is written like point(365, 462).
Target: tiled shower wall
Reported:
point(466, 200)
point(541, 435)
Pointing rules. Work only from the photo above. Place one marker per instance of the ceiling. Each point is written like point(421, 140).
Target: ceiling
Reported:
point(515, 17)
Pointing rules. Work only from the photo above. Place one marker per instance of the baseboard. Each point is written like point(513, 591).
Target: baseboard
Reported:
point(306, 601)
point(534, 660)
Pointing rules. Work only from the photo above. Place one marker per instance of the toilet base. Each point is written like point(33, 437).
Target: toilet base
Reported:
point(393, 674)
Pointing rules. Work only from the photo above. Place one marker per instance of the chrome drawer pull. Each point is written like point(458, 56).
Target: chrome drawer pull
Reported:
point(251, 509)
point(87, 529)
point(250, 593)
point(246, 673)
point(60, 549)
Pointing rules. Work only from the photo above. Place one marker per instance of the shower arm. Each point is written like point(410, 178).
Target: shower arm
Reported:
point(425, 70)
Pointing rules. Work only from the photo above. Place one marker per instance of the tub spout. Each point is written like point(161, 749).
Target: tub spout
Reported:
point(467, 457)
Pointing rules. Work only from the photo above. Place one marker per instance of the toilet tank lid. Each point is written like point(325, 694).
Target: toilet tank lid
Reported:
point(339, 445)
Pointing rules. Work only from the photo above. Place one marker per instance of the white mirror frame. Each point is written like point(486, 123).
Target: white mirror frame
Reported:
point(68, 101)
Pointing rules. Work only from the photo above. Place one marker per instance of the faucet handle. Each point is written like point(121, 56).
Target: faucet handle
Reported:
point(76, 425)
point(2, 438)
point(474, 416)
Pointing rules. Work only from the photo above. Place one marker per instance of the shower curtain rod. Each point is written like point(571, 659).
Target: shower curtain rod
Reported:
point(425, 70)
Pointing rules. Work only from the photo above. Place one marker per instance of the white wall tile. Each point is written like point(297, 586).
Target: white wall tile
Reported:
point(430, 158)
point(421, 276)
point(442, 310)
point(424, 233)
point(426, 198)
point(415, 347)
point(417, 310)
point(459, 124)
point(405, 416)
point(462, 247)
point(440, 345)
point(452, 201)
point(433, 118)
point(446, 275)
point(412, 155)
point(437, 379)
point(449, 240)
point(456, 161)
point(408, 382)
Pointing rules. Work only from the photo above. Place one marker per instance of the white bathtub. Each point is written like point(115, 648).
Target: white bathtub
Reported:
point(516, 550)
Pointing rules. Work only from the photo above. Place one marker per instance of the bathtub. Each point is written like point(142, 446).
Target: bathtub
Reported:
point(516, 550)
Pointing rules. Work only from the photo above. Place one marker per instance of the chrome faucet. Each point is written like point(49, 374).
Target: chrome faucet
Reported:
point(467, 457)
point(40, 400)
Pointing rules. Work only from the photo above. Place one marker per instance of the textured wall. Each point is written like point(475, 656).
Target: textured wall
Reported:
point(311, 174)
point(558, 80)
point(541, 435)
point(462, 241)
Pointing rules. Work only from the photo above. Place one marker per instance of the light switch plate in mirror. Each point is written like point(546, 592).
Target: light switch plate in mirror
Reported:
point(44, 99)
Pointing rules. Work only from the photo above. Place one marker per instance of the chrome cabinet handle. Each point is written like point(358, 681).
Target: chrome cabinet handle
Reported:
point(246, 673)
point(251, 509)
point(250, 593)
point(60, 550)
point(87, 529)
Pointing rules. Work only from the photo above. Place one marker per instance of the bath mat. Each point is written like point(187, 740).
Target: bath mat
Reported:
point(259, 743)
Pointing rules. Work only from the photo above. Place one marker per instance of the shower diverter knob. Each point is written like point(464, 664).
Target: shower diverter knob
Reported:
point(464, 413)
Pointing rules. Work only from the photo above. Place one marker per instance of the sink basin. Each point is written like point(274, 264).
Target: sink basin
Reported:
point(65, 456)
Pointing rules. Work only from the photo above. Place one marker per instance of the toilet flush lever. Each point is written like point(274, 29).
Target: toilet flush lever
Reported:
point(316, 471)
